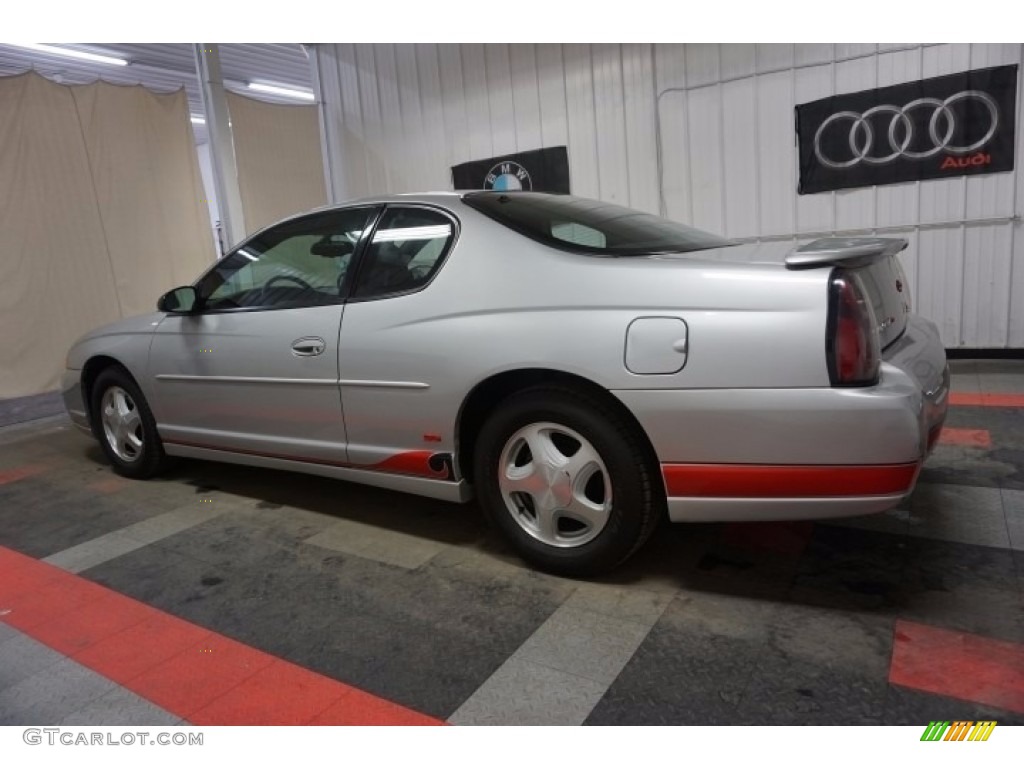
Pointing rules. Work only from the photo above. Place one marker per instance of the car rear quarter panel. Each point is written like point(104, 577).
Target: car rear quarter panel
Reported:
point(503, 302)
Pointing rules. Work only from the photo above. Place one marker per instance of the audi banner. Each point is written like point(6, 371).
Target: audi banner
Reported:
point(930, 129)
point(540, 170)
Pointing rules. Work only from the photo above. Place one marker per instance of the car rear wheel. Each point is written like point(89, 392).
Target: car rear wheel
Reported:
point(566, 480)
point(125, 425)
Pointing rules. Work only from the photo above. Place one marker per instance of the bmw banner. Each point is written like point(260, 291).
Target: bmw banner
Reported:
point(540, 170)
point(930, 129)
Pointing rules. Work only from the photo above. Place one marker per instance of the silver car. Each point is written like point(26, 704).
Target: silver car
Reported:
point(584, 370)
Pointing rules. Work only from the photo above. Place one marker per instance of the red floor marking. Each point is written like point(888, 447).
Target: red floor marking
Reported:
point(360, 708)
point(45, 602)
point(19, 473)
point(783, 538)
point(958, 665)
point(139, 648)
point(18, 575)
point(204, 672)
point(279, 694)
point(970, 438)
point(186, 669)
point(991, 399)
point(82, 628)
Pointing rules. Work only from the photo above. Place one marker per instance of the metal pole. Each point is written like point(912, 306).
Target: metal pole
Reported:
point(327, 132)
point(222, 150)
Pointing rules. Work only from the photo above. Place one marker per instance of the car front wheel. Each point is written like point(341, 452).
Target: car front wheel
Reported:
point(566, 480)
point(125, 425)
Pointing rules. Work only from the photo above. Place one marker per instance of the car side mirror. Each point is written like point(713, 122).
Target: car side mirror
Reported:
point(181, 301)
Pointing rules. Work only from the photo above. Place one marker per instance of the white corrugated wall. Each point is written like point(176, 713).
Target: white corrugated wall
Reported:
point(701, 133)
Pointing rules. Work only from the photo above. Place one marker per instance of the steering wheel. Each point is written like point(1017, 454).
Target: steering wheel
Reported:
point(281, 278)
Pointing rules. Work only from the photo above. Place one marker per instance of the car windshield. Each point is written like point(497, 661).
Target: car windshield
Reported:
point(589, 226)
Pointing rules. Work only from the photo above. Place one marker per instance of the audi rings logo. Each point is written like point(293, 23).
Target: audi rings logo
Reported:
point(950, 125)
point(943, 122)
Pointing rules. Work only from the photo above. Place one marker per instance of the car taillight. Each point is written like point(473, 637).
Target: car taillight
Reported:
point(851, 346)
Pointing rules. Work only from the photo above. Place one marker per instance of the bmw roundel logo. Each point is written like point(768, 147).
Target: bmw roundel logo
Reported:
point(508, 176)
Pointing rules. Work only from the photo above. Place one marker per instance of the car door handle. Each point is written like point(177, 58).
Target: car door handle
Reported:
point(308, 346)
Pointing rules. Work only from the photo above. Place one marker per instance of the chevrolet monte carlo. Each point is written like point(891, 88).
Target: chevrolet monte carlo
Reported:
point(582, 369)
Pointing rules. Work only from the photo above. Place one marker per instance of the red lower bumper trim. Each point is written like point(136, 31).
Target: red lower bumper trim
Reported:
point(787, 480)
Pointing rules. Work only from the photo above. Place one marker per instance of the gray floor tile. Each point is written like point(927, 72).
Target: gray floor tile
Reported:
point(1013, 507)
point(1002, 383)
point(963, 366)
point(694, 665)
point(93, 552)
point(965, 382)
point(31, 431)
point(584, 644)
point(169, 523)
point(524, 693)
point(6, 633)
point(120, 707)
point(52, 694)
point(21, 657)
point(632, 604)
point(380, 544)
point(962, 513)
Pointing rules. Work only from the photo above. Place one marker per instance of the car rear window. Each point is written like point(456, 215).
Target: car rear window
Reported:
point(589, 226)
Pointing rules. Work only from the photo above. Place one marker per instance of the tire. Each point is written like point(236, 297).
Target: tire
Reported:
point(139, 453)
point(589, 504)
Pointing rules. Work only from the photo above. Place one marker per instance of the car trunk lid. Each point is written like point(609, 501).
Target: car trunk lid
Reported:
point(875, 261)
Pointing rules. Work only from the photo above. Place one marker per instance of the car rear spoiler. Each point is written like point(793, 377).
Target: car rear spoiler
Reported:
point(844, 252)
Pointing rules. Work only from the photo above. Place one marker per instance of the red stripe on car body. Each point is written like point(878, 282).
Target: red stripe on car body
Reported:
point(405, 463)
point(787, 480)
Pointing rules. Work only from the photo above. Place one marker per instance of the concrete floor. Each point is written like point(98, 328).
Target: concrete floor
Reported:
point(373, 606)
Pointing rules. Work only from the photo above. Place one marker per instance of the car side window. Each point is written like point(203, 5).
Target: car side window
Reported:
point(299, 263)
point(407, 248)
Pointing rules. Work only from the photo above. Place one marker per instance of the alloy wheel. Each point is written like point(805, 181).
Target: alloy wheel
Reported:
point(122, 424)
point(555, 484)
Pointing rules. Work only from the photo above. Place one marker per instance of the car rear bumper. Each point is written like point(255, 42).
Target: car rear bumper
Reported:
point(784, 454)
point(74, 403)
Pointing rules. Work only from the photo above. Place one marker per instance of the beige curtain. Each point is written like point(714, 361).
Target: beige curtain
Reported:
point(146, 173)
point(100, 212)
point(277, 151)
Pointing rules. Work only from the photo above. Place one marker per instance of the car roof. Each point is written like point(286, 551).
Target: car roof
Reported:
point(442, 198)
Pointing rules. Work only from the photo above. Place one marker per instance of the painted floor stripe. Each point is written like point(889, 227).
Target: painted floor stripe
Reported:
point(968, 438)
point(184, 669)
point(958, 665)
point(990, 399)
point(561, 672)
point(19, 473)
point(375, 543)
point(91, 553)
